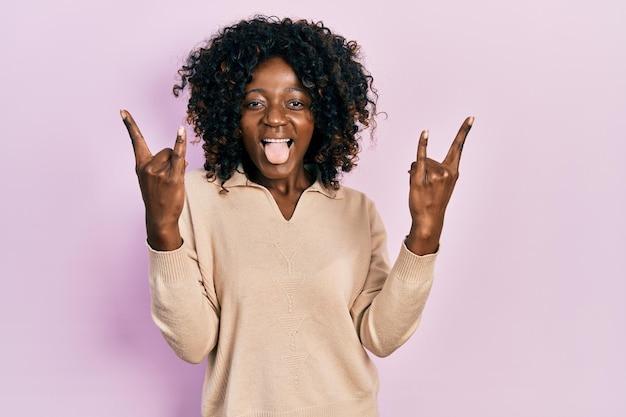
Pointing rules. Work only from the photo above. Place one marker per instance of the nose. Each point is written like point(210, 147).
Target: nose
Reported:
point(275, 115)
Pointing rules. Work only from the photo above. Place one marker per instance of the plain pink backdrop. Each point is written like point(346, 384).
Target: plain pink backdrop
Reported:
point(527, 314)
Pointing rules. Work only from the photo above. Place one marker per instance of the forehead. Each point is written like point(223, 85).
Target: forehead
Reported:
point(274, 73)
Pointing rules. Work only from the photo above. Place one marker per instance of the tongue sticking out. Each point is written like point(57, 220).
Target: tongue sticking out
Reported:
point(276, 152)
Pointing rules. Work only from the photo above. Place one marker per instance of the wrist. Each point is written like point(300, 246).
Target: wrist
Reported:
point(422, 241)
point(163, 236)
point(421, 246)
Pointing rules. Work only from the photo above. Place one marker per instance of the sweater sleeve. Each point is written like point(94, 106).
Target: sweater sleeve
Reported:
point(184, 304)
point(389, 308)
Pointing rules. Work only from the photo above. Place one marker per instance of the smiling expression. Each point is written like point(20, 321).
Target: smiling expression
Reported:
point(276, 121)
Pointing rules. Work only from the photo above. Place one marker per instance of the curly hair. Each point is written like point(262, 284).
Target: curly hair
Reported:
point(327, 65)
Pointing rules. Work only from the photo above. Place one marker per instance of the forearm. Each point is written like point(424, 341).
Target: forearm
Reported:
point(395, 312)
point(180, 308)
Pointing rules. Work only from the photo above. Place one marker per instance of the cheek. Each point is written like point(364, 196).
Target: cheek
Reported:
point(246, 134)
point(247, 127)
point(244, 122)
point(307, 124)
point(249, 145)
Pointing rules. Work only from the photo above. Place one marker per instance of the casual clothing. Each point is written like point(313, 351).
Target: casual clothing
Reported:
point(283, 308)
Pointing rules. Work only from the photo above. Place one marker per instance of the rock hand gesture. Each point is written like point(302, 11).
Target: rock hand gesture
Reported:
point(431, 187)
point(162, 182)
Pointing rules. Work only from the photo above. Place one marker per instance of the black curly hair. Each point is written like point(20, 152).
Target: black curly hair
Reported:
point(343, 98)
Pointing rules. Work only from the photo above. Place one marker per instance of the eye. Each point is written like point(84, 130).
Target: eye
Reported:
point(253, 104)
point(296, 104)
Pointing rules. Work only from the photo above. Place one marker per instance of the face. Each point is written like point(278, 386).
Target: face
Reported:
point(276, 121)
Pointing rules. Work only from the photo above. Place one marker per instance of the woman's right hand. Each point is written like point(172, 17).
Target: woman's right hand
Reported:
point(162, 183)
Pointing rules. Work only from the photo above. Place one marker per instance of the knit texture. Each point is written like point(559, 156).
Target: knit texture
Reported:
point(283, 309)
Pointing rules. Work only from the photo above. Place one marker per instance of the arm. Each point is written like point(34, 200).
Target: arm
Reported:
point(389, 308)
point(184, 302)
point(183, 307)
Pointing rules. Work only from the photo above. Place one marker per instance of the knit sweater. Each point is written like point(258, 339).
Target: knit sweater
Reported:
point(283, 309)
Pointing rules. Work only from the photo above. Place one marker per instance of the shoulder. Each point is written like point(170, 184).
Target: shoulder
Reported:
point(196, 180)
point(353, 194)
point(196, 176)
point(201, 192)
point(355, 201)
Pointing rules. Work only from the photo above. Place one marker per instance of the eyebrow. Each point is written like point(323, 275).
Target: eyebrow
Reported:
point(289, 89)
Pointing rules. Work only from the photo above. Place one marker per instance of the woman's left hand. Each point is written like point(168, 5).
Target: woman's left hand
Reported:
point(431, 187)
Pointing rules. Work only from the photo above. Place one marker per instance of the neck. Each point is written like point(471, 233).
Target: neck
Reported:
point(292, 184)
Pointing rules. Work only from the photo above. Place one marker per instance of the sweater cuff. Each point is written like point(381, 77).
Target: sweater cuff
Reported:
point(412, 268)
point(168, 266)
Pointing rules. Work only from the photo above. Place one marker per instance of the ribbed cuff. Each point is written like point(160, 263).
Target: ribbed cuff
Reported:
point(412, 268)
point(168, 266)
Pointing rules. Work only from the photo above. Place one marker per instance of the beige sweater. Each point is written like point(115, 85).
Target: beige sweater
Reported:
point(283, 309)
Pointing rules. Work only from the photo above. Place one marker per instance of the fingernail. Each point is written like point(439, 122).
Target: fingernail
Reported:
point(471, 120)
point(181, 130)
point(123, 114)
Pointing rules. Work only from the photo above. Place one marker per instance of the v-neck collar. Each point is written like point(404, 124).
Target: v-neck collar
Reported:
point(240, 179)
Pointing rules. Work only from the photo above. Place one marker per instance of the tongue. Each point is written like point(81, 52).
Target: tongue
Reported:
point(276, 152)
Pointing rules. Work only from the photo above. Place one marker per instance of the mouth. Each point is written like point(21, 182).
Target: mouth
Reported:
point(288, 141)
point(276, 150)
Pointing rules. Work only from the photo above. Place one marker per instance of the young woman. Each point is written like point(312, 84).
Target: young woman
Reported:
point(262, 263)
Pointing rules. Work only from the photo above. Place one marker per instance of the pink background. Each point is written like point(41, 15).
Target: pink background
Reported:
point(527, 314)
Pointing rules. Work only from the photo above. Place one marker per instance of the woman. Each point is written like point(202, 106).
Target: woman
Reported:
point(262, 263)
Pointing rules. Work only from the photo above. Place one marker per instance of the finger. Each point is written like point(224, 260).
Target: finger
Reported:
point(453, 158)
point(434, 168)
point(180, 149)
point(142, 152)
point(420, 169)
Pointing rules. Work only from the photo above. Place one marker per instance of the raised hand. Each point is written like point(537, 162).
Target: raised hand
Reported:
point(431, 187)
point(161, 180)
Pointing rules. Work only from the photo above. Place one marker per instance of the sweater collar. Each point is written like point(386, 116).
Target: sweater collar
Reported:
point(239, 179)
